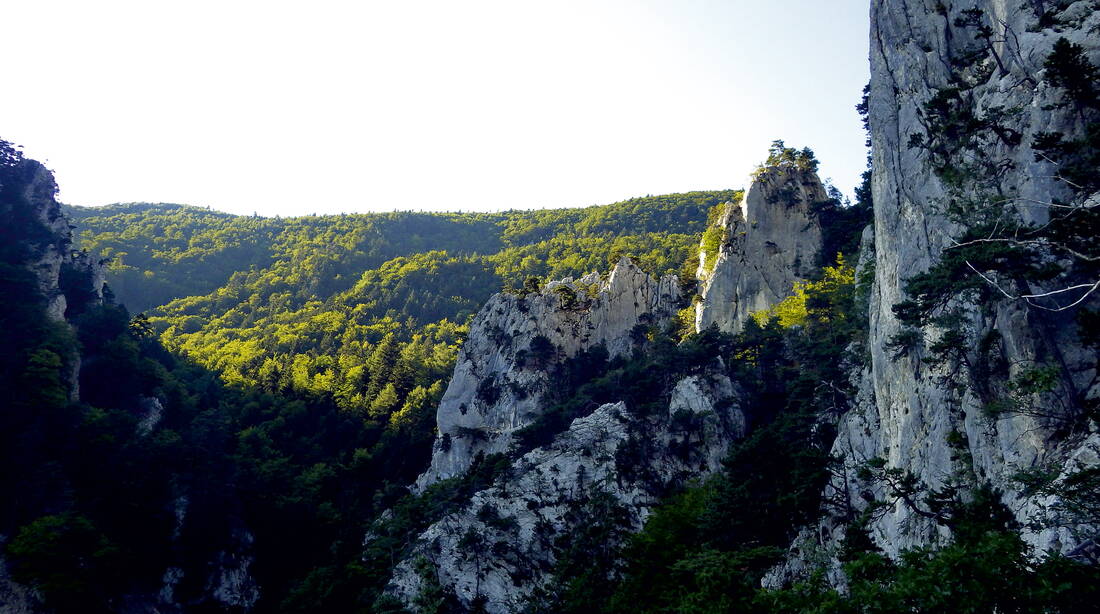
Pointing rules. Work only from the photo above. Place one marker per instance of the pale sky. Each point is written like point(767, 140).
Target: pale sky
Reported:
point(301, 107)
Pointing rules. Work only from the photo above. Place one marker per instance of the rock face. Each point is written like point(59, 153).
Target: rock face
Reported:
point(31, 198)
point(905, 413)
point(38, 194)
point(514, 343)
point(230, 583)
point(37, 234)
point(14, 597)
point(500, 548)
point(770, 241)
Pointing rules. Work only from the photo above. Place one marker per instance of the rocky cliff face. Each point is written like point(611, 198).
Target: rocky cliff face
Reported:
point(984, 58)
point(16, 598)
point(37, 235)
point(913, 45)
point(611, 465)
point(515, 342)
point(769, 241)
point(38, 195)
point(64, 276)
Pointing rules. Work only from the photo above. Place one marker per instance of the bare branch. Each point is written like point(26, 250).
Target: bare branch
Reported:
point(1036, 242)
point(1028, 298)
point(1032, 201)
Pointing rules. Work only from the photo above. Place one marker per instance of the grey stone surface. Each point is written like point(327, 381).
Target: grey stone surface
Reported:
point(771, 240)
point(534, 505)
point(610, 452)
point(15, 598)
point(904, 413)
point(498, 381)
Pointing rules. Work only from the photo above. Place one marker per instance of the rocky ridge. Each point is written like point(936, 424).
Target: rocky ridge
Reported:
point(514, 343)
point(499, 549)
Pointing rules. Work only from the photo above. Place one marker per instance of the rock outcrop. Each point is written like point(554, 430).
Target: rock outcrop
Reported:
point(515, 342)
point(53, 252)
point(499, 548)
point(611, 466)
point(16, 598)
point(30, 209)
point(769, 241)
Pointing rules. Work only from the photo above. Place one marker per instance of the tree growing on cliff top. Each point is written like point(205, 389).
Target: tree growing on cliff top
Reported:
point(781, 156)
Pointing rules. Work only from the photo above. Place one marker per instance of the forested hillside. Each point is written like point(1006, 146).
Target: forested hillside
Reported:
point(160, 252)
point(365, 310)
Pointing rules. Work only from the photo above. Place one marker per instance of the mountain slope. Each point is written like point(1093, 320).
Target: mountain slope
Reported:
point(335, 289)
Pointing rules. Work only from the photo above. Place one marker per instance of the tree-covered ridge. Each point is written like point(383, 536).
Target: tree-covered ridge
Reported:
point(302, 304)
point(159, 464)
point(634, 216)
point(160, 252)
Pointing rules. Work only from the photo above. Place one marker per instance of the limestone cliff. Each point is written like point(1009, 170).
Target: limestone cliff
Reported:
point(769, 241)
point(16, 598)
point(516, 341)
point(934, 63)
point(36, 223)
point(610, 466)
point(500, 548)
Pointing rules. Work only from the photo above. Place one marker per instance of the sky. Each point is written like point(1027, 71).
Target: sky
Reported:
point(293, 108)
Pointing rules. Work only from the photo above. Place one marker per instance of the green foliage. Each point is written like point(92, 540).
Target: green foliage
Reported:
point(714, 236)
point(66, 558)
point(161, 252)
point(675, 566)
point(826, 296)
point(312, 298)
point(706, 548)
point(1069, 68)
point(986, 568)
point(41, 380)
point(842, 222)
point(781, 156)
